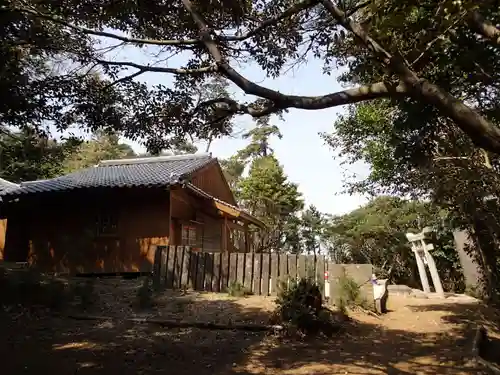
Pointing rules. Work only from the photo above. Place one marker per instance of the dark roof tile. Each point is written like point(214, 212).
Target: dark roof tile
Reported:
point(153, 171)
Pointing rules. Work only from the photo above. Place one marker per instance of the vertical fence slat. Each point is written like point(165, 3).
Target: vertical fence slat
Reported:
point(283, 272)
point(192, 268)
point(200, 271)
point(185, 267)
point(265, 274)
point(249, 271)
point(224, 271)
point(170, 267)
point(209, 271)
point(320, 272)
point(178, 267)
point(257, 263)
point(162, 275)
point(274, 274)
point(216, 275)
point(301, 266)
point(310, 267)
point(292, 266)
point(233, 264)
point(240, 272)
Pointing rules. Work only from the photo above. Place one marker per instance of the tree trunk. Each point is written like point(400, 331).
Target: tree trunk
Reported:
point(487, 249)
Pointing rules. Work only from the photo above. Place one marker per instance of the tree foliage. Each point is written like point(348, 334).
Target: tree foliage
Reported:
point(312, 225)
point(411, 148)
point(57, 64)
point(101, 146)
point(267, 194)
point(376, 234)
point(25, 156)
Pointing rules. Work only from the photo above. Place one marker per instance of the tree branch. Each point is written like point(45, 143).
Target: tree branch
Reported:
point(484, 27)
point(294, 9)
point(482, 132)
point(436, 39)
point(279, 101)
point(282, 101)
point(125, 79)
point(357, 7)
point(159, 69)
point(87, 31)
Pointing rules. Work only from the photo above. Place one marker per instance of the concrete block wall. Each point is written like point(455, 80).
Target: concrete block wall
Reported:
point(359, 273)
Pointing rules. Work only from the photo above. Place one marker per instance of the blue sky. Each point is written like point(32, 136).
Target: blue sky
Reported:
point(306, 159)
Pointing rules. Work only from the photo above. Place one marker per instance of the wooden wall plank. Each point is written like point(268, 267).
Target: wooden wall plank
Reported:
point(266, 262)
point(240, 272)
point(257, 267)
point(301, 266)
point(216, 275)
point(233, 265)
point(249, 271)
point(274, 273)
point(209, 271)
point(170, 267)
point(224, 271)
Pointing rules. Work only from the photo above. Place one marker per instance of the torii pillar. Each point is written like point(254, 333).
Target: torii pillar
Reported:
point(423, 257)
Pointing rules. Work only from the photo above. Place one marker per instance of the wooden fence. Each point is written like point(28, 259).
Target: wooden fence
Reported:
point(261, 273)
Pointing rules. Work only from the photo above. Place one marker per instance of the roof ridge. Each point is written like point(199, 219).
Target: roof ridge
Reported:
point(152, 159)
point(7, 183)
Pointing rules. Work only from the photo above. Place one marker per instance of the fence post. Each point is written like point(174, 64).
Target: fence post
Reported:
point(274, 273)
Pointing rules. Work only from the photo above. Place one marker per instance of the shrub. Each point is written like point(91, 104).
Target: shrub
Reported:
point(474, 291)
point(145, 293)
point(300, 305)
point(349, 294)
point(236, 289)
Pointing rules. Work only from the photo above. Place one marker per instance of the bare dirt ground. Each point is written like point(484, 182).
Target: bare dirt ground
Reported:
point(418, 336)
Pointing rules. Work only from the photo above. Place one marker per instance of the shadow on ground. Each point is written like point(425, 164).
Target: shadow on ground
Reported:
point(48, 344)
point(466, 315)
point(67, 346)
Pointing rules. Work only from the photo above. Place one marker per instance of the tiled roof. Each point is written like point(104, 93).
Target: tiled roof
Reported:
point(144, 172)
point(6, 186)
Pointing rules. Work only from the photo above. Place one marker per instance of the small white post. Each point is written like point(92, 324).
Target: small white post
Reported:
point(436, 280)
point(421, 269)
point(421, 251)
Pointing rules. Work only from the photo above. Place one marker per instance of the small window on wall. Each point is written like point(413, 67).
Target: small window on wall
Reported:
point(189, 235)
point(106, 225)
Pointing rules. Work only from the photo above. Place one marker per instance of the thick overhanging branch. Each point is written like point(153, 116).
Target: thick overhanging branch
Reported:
point(283, 101)
point(484, 27)
point(482, 132)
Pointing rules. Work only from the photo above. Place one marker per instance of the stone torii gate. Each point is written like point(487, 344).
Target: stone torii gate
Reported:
point(423, 257)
